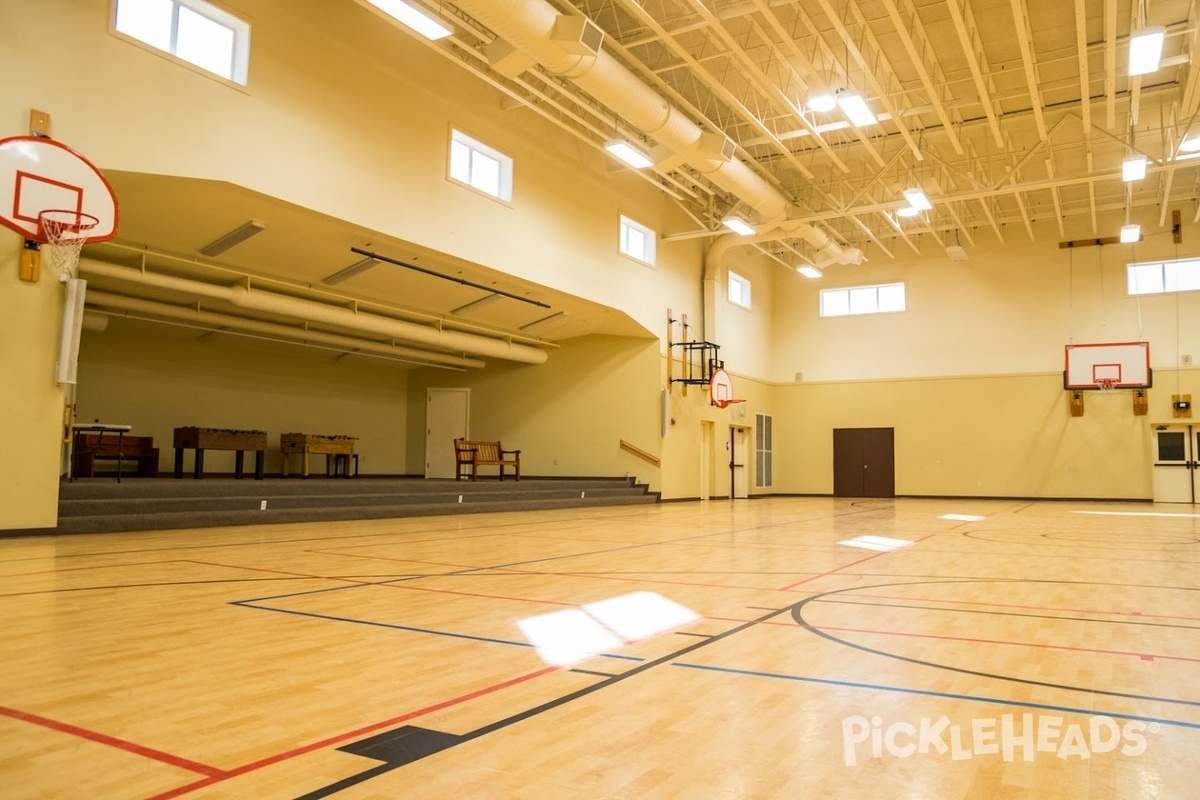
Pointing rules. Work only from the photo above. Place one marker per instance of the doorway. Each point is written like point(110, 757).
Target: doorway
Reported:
point(864, 462)
point(1176, 463)
point(739, 478)
point(447, 412)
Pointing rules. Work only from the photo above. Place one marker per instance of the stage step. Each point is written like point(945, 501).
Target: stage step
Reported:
point(101, 505)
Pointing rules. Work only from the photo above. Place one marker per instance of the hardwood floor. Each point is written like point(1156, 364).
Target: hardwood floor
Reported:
point(1040, 650)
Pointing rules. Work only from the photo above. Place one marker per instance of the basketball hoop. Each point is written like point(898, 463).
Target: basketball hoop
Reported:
point(1105, 384)
point(64, 231)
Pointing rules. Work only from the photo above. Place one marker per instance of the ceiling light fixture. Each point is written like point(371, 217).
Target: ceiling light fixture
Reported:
point(917, 199)
point(810, 272)
point(1130, 233)
point(349, 272)
point(1191, 140)
point(738, 225)
point(413, 17)
point(544, 320)
point(233, 238)
point(908, 212)
point(629, 154)
point(856, 109)
point(821, 101)
point(1133, 168)
point(1145, 50)
point(475, 305)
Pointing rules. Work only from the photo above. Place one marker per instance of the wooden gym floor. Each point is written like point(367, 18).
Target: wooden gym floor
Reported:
point(1042, 650)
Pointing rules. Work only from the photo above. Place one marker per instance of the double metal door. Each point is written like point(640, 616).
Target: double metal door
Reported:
point(1176, 463)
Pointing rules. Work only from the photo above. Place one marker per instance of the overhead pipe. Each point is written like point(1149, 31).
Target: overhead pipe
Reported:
point(271, 302)
point(196, 316)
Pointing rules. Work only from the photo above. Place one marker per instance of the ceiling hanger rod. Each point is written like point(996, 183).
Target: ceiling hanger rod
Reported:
point(399, 263)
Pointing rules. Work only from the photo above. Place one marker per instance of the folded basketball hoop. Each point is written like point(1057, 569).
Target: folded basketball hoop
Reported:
point(64, 232)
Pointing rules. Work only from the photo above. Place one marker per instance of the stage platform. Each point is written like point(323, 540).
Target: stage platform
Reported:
point(101, 505)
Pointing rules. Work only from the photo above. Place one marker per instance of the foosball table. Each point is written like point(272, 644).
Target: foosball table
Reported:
point(201, 439)
point(340, 457)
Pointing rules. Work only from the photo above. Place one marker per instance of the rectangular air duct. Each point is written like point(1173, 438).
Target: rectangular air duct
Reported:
point(578, 35)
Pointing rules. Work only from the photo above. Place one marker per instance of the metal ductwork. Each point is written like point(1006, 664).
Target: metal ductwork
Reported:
point(212, 320)
point(313, 311)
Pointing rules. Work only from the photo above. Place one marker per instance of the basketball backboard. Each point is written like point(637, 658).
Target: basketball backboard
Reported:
point(1117, 365)
point(37, 173)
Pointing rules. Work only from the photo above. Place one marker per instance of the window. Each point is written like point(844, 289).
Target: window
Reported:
point(475, 164)
point(739, 290)
point(192, 30)
point(862, 300)
point(762, 450)
point(637, 241)
point(1161, 277)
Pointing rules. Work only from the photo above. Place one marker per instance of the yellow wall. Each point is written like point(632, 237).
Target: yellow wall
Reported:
point(31, 403)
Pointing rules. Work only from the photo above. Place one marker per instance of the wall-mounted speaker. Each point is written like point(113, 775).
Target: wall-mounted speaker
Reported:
point(72, 327)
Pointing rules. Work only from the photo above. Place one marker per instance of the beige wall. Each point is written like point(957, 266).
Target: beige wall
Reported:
point(31, 403)
point(157, 378)
point(567, 416)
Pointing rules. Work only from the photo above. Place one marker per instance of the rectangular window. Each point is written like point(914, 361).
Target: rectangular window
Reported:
point(638, 241)
point(739, 290)
point(1163, 277)
point(484, 168)
point(762, 450)
point(191, 30)
point(880, 299)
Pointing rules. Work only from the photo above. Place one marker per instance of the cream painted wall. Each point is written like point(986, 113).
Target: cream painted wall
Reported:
point(31, 402)
point(349, 116)
point(567, 416)
point(157, 378)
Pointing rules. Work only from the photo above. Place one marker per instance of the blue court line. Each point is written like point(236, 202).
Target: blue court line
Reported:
point(1091, 712)
point(392, 626)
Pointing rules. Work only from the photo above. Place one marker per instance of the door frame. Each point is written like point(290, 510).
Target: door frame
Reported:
point(440, 441)
point(1176, 481)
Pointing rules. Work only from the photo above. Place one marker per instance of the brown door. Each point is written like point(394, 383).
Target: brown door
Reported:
point(864, 462)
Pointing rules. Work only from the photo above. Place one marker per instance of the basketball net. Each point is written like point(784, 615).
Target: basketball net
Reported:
point(1105, 384)
point(64, 232)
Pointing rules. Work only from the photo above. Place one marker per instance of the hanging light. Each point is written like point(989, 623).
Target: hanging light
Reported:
point(1145, 50)
point(1133, 168)
point(1130, 233)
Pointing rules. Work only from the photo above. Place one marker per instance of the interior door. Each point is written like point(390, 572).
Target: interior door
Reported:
point(739, 476)
point(1176, 468)
point(708, 458)
point(447, 413)
point(864, 462)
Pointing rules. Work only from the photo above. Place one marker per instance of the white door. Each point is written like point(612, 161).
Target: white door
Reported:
point(708, 458)
point(1176, 469)
point(447, 412)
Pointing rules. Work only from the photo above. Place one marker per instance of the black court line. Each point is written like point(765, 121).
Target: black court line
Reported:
point(798, 615)
point(699, 635)
point(594, 672)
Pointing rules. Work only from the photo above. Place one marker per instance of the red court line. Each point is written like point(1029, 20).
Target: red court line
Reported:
point(1027, 607)
point(352, 581)
point(1143, 656)
point(342, 737)
point(789, 587)
point(112, 741)
point(634, 580)
point(411, 588)
point(400, 560)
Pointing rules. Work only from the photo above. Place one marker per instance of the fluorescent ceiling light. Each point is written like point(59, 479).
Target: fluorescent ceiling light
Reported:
point(628, 153)
point(544, 320)
point(233, 238)
point(1133, 168)
point(810, 272)
point(350, 271)
point(1145, 50)
point(738, 225)
point(822, 102)
point(475, 305)
point(1191, 140)
point(917, 199)
point(907, 212)
point(856, 109)
point(408, 15)
point(1130, 233)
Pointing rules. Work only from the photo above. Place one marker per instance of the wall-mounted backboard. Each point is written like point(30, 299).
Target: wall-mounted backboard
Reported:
point(1116, 365)
point(37, 174)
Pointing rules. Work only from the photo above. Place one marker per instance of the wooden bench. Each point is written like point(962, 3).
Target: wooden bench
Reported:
point(93, 447)
point(470, 455)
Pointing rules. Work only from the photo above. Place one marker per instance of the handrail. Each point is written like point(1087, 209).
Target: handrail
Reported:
point(640, 453)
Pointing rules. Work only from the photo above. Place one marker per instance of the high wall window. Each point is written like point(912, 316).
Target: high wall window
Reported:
point(1162, 277)
point(762, 450)
point(192, 30)
point(637, 241)
point(739, 290)
point(481, 167)
point(879, 299)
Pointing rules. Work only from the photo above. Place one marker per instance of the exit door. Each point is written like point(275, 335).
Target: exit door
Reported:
point(864, 462)
point(1176, 463)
